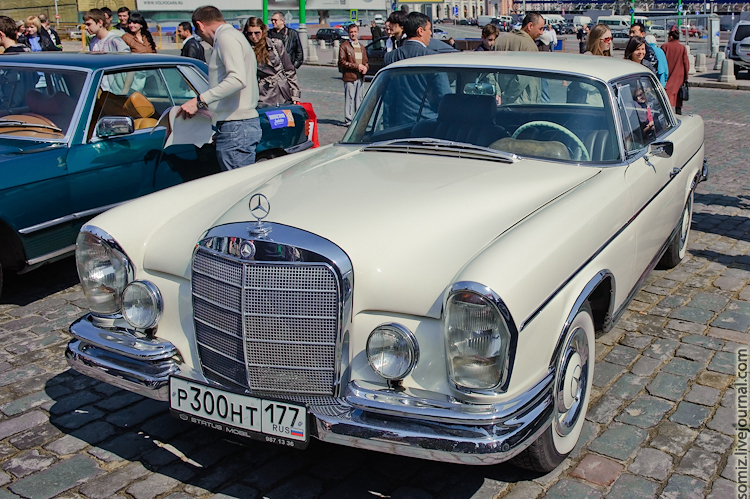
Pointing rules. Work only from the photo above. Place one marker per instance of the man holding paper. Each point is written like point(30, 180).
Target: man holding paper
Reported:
point(233, 94)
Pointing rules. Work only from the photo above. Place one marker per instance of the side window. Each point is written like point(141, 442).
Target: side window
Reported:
point(378, 45)
point(142, 95)
point(181, 90)
point(642, 113)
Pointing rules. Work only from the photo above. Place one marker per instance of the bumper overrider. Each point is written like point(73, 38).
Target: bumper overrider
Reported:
point(406, 422)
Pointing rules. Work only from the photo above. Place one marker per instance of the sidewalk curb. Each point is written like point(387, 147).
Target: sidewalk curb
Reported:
point(719, 84)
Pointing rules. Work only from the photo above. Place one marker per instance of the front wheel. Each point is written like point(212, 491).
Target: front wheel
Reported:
point(678, 245)
point(571, 392)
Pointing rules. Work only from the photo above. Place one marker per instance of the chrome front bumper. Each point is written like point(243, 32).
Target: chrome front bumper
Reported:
point(405, 422)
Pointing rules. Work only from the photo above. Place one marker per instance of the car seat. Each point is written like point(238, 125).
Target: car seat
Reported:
point(463, 118)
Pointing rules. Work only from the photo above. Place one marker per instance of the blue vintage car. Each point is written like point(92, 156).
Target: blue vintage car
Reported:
point(78, 136)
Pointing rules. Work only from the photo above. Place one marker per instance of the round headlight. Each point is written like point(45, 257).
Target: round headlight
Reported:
point(141, 304)
point(392, 351)
point(104, 270)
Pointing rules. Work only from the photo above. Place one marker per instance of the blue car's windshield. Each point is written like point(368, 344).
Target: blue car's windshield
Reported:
point(528, 113)
point(38, 102)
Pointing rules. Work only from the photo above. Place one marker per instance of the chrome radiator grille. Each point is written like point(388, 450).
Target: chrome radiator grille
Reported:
point(266, 325)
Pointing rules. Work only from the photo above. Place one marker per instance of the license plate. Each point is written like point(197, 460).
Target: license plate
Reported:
point(253, 417)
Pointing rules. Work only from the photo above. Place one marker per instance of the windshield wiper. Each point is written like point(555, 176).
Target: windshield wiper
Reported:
point(427, 145)
point(23, 124)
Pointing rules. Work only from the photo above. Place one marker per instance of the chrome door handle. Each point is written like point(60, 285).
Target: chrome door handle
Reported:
point(675, 171)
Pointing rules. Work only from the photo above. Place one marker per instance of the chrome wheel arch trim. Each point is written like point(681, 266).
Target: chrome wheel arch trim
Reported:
point(583, 297)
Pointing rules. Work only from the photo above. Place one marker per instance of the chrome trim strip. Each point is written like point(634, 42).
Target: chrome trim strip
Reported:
point(50, 256)
point(294, 368)
point(207, 347)
point(121, 340)
point(213, 326)
point(601, 248)
point(284, 342)
point(504, 312)
point(68, 218)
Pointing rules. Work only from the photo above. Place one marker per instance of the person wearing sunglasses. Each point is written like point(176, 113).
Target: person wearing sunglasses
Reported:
point(600, 41)
point(289, 37)
point(277, 76)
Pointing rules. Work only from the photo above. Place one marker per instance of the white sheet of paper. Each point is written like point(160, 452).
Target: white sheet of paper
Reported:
point(196, 130)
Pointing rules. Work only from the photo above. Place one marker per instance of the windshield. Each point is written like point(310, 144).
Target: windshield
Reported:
point(38, 102)
point(534, 114)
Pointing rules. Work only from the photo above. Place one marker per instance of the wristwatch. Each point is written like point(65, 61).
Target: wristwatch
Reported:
point(201, 104)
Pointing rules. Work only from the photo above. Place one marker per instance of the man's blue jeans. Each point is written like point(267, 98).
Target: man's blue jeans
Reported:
point(236, 141)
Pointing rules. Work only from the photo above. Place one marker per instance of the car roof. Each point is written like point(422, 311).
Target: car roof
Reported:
point(94, 60)
point(604, 68)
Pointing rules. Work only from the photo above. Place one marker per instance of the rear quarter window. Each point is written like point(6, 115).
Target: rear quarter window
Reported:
point(743, 31)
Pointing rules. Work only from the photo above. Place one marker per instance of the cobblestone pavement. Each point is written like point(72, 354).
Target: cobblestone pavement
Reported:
point(660, 422)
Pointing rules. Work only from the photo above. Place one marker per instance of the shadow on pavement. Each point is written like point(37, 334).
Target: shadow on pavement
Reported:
point(114, 425)
point(39, 283)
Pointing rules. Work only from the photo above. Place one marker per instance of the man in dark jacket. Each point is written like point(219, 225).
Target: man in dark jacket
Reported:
point(418, 33)
point(638, 29)
point(50, 30)
point(290, 38)
point(406, 93)
point(191, 46)
point(375, 30)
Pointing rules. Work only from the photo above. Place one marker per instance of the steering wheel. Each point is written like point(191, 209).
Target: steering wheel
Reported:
point(554, 126)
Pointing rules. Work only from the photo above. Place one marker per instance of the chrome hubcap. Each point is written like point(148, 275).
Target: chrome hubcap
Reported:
point(685, 226)
point(571, 382)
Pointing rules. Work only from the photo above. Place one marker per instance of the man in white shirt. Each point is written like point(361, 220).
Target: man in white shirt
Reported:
point(232, 96)
point(102, 40)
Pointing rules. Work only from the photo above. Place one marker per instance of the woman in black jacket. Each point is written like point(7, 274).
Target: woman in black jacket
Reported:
point(37, 38)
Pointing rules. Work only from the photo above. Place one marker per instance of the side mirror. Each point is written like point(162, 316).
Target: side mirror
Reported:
point(662, 148)
point(113, 126)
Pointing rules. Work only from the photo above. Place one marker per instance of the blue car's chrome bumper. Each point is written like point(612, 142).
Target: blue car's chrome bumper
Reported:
point(405, 422)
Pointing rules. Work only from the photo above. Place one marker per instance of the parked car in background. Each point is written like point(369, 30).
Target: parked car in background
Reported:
point(376, 52)
point(440, 34)
point(738, 47)
point(331, 34)
point(620, 40)
point(78, 136)
point(378, 18)
point(658, 31)
point(431, 286)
